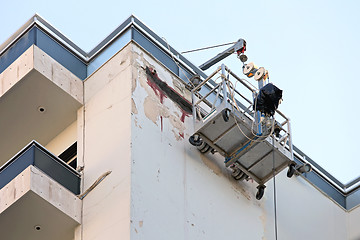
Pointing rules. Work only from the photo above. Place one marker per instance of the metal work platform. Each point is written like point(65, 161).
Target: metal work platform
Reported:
point(225, 122)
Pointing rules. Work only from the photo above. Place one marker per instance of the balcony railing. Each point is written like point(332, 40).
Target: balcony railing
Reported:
point(36, 155)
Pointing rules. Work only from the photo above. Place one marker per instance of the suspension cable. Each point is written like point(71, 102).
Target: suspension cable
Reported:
point(205, 48)
point(275, 204)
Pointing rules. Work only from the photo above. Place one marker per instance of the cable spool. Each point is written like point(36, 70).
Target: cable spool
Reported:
point(261, 74)
point(250, 69)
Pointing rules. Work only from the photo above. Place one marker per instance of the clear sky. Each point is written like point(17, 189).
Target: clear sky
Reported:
point(310, 47)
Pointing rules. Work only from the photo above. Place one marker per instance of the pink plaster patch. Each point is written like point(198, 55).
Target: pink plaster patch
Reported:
point(158, 92)
point(183, 115)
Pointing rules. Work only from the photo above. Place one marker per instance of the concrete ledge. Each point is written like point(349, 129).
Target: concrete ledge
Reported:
point(35, 58)
point(39, 98)
point(32, 179)
point(34, 199)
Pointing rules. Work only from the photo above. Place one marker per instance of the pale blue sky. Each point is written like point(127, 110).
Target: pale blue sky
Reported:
point(309, 47)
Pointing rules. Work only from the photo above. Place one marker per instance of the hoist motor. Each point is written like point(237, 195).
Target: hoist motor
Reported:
point(268, 99)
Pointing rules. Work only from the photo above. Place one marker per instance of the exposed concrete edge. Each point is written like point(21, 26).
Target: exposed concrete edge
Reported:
point(32, 179)
point(22, 66)
point(58, 74)
point(15, 189)
point(36, 59)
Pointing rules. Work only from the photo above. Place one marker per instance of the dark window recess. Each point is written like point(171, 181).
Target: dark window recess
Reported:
point(70, 155)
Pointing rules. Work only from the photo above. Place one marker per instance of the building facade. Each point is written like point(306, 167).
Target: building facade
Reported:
point(95, 146)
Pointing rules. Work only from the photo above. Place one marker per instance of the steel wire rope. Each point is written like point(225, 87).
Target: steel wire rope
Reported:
point(205, 48)
point(177, 64)
point(217, 96)
point(232, 105)
point(275, 201)
point(254, 135)
point(244, 79)
point(232, 93)
point(256, 95)
point(257, 124)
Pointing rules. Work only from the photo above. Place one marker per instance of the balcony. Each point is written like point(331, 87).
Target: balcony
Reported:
point(39, 98)
point(38, 196)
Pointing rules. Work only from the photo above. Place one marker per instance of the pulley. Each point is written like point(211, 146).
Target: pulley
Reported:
point(243, 58)
point(250, 69)
point(195, 80)
point(261, 74)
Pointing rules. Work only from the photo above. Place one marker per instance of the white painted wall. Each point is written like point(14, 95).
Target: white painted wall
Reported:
point(179, 193)
point(106, 146)
point(352, 223)
point(64, 140)
point(161, 187)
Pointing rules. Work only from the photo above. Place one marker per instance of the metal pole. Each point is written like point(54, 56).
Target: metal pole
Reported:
point(290, 140)
point(223, 76)
point(193, 108)
point(261, 83)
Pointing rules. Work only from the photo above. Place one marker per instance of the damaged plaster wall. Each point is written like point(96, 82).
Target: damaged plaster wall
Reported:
point(161, 187)
point(179, 193)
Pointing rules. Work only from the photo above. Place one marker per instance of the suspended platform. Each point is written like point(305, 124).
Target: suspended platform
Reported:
point(225, 122)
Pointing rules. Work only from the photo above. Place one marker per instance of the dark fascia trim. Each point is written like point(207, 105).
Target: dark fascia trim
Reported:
point(38, 156)
point(55, 34)
point(336, 183)
point(323, 176)
point(38, 21)
point(110, 38)
point(42, 148)
point(17, 35)
point(345, 189)
point(60, 38)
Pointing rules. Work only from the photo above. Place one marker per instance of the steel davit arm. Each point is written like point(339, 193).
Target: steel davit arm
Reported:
point(239, 47)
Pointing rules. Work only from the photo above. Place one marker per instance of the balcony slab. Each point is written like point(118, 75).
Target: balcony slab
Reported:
point(31, 200)
point(38, 99)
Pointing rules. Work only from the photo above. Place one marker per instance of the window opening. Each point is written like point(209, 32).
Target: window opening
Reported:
point(70, 155)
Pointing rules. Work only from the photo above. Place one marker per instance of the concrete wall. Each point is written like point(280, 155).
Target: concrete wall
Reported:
point(179, 193)
point(64, 140)
point(34, 199)
point(36, 81)
point(161, 187)
point(105, 144)
point(352, 224)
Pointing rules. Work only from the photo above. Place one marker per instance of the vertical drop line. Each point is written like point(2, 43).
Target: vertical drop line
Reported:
point(275, 204)
point(83, 162)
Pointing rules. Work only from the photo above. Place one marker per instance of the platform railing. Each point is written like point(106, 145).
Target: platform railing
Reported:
point(227, 85)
